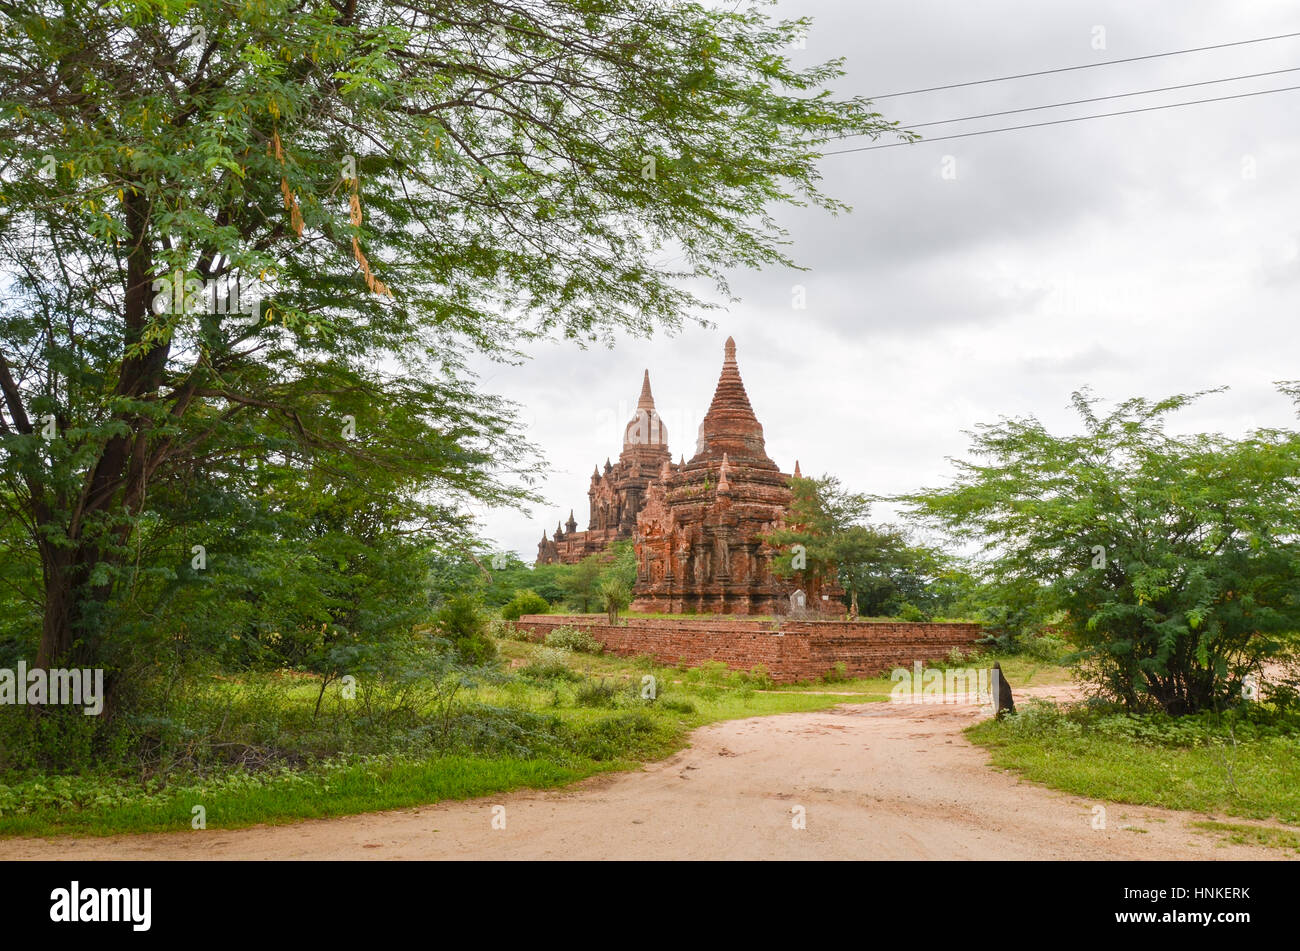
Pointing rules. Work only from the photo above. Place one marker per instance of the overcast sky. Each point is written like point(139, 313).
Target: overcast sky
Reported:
point(1140, 255)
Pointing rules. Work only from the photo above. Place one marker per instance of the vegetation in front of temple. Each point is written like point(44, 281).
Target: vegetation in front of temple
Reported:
point(428, 725)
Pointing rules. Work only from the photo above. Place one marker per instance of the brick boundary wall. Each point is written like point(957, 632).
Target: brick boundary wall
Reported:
point(792, 651)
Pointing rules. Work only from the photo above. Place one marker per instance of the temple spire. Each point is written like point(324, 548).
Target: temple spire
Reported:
point(647, 400)
point(797, 473)
point(730, 426)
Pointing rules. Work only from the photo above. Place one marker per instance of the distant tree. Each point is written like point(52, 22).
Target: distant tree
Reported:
point(620, 563)
point(1175, 558)
point(581, 583)
point(827, 537)
point(524, 602)
point(615, 594)
point(885, 573)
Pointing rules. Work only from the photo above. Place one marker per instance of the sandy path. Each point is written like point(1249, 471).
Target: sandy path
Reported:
point(874, 780)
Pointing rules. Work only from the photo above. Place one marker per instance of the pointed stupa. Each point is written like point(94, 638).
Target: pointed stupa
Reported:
point(797, 473)
point(647, 400)
point(730, 426)
point(646, 428)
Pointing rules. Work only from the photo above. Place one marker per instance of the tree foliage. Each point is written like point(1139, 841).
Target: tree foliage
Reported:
point(1176, 557)
point(881, 570)
point(396, 185)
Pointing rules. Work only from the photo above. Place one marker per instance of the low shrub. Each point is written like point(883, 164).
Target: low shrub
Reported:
point(596, 693)
point(837, 674)
point(507, 630)
point(573, 639)
point(524, 602)
point(550, 663)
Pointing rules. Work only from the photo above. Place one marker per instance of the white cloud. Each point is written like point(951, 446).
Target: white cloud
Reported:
point(1130, 254)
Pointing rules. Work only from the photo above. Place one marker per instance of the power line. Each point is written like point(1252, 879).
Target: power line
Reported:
point(1080, 102)
point(1067, 69)
point(1036, 125)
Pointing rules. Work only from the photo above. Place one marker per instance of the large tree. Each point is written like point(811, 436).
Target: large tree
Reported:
point(410, 181)
point(1176, 557)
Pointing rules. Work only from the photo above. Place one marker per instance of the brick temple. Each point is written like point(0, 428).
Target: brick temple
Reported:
point(698, 525)
point(616, 495)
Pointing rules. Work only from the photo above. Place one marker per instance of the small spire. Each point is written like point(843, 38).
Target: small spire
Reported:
point(729, 352)
point(797, 473)
point(724, 486)
point(647, 400)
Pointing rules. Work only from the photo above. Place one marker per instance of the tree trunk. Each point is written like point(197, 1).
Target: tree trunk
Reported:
point(117, 478)
point(60, 608)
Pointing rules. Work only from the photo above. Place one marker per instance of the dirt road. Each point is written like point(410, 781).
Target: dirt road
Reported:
point(869, 781)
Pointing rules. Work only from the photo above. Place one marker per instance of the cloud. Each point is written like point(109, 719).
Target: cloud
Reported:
point(1142, 255)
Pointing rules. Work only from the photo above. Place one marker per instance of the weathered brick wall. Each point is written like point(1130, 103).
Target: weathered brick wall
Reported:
point(790, 650)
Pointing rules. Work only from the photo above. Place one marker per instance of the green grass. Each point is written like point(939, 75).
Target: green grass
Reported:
point(576, 741)
point(361, 787)
point(1267, 836)
point(1152, 761)
point(535, 733)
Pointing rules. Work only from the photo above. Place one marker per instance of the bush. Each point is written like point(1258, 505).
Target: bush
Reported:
point(595, 693)
point(838, 674)
point(550, 664)
point(507, 630)
point(622, 736)
point(677, 706)
point(524, 602)
point(461, 622)
point(573, 639)
point(910, 612)
point(1047, 646)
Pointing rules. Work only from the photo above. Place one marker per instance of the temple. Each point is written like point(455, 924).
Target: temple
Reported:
point(699, 525)
point(617, 494)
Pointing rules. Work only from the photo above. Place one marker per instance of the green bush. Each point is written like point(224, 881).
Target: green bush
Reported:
point(461, 621)
point(524, 602)
point(573, 639)
point(507, 630)
point(678, 706)
point(910, 612)
point(596, 693)
point(550, 663)
point(838, 674)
